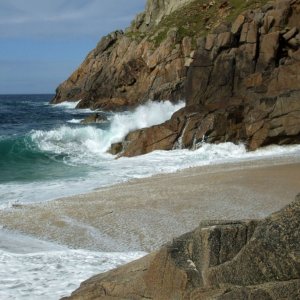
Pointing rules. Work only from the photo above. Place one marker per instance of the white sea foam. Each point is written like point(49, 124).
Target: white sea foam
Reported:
point(75, 121)
point(67, 104)
point(108, 171)
point(31, 269)
point(53, 274)
point(85, 148)
point(81, 142)
point(69, 107)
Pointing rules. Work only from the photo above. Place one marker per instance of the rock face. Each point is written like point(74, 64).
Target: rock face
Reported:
point(155, 11)
point(242, 86)
point(252, 259)
point(122, 72)
point(250, 75)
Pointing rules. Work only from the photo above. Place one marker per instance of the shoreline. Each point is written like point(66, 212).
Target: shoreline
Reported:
point(142, 214)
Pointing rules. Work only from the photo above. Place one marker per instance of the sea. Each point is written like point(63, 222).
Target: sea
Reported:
point(46, 153)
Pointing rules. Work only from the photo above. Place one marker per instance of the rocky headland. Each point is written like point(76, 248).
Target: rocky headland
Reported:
point(128, 68)
point(251, 259)
point(235, 63)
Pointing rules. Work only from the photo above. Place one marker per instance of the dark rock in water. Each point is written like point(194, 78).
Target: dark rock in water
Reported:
point(252, 259)
point(95, 118)
point(116, 148)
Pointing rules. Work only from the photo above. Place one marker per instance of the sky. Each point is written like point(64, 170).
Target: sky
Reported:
point(43, 41)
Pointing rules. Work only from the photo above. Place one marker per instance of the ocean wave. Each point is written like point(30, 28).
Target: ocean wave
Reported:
point(72, 159)
point(53, 274)
point(70, 107)
point(22, 161)
point(67, 104)
point(81, 143)
point(44, 154)
point(109, 171)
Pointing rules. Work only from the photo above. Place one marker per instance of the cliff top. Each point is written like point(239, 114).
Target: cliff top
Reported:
point(192, 18)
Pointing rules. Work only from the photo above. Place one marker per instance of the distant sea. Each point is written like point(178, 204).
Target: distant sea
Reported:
point(46, 153)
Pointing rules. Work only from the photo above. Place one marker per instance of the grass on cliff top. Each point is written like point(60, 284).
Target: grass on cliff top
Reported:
point(201, 17)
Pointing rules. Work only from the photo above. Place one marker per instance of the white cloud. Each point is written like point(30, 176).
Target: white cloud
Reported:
point(42, 41)
point(61, 17)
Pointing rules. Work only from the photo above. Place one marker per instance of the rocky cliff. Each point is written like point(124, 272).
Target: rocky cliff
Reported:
point(236, 63)
point(126, 69)
point(252, 259)
point(242, 86)
point(150, 59)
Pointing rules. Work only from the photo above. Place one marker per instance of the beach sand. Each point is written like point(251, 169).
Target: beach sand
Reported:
point(145, 213)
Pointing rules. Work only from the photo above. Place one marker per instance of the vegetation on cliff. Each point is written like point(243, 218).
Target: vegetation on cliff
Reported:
point(200, 17)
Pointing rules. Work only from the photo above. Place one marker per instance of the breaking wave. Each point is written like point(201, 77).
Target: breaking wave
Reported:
point(81, 142)
point(72, 158)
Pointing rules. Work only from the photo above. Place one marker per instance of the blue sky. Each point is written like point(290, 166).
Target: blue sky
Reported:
point(43, 41)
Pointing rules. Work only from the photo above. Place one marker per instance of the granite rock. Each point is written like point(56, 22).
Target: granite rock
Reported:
point(250, 259)
point(242, 86)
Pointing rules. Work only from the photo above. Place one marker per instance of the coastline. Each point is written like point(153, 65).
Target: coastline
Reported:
point(143, 214)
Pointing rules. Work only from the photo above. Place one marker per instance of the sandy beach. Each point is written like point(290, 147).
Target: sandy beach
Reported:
point(143, 214)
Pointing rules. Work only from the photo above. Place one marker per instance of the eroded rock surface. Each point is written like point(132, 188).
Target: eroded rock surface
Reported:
point(251, 259)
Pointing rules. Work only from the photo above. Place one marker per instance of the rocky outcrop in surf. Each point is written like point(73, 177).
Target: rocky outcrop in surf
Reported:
point(242, 86)
point(252, 259)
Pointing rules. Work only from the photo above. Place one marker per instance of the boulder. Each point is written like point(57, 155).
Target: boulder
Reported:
point(268, 51)
point(237, 24)
point(250, 259)
point(291, 33)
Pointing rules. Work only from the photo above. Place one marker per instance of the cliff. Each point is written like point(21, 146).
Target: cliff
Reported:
point(251, 259)
point(126, 69)
point(242, 86)
point(150, 59)
point(236, 63)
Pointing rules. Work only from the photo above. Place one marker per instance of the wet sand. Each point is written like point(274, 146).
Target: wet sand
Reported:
point(143, 214)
